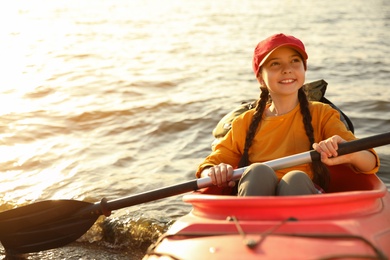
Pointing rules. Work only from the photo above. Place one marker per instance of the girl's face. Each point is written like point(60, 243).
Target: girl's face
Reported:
point(283, 72)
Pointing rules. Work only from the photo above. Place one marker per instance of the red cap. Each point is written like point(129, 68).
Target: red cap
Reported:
point(267, 46)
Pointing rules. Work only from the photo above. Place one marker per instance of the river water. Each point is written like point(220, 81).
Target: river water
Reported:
point(112, 98)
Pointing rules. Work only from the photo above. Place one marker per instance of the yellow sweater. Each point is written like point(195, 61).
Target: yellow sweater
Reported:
point(278, 137)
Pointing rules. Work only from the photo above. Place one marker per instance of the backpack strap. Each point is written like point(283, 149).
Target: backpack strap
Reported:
point(315, 91)
point(343, 117)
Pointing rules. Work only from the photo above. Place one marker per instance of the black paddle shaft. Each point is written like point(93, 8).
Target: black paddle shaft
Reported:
point(357, 145)
point(105, 207)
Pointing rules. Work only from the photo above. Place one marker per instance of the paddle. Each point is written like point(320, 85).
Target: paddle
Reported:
point(54, 223)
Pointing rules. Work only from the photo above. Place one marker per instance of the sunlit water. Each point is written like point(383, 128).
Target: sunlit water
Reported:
point(112, 98)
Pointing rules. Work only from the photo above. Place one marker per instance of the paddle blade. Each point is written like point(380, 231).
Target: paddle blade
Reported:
point(45, 225)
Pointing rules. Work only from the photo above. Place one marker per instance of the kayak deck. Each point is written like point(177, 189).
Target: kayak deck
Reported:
point(352, 221)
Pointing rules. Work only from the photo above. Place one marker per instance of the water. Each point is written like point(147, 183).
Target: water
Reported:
point(112, 98)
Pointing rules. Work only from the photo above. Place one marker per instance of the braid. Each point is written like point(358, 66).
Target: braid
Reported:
point(320, 171)
point(304, 105)
point(260, 107)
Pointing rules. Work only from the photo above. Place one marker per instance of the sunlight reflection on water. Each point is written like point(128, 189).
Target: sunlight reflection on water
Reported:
point(110, 98)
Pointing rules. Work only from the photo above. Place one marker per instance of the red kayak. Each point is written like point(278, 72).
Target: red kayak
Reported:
point(351, 221)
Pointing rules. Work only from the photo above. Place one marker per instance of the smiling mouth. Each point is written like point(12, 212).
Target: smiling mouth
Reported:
point(287, 81)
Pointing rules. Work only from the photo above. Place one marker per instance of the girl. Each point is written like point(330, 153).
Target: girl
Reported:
point(283, 123)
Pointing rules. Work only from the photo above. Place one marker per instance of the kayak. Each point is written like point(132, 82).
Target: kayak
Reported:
point(350, 221)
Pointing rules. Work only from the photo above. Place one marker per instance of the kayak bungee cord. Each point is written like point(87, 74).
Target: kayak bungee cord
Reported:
point(251, 243)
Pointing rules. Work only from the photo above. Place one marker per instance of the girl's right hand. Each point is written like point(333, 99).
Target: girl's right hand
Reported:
point(221, 175)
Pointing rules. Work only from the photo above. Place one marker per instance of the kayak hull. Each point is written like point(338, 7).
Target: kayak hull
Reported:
point(351, 221)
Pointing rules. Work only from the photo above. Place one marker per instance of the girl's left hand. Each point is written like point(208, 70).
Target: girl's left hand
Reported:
point(328, 150)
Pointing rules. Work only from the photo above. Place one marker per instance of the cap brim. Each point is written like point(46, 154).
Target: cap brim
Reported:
point(293, 46)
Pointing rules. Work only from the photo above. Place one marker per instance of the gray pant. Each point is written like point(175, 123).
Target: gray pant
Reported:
point(261, 180)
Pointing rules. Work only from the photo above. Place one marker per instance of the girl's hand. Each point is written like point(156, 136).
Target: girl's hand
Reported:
point(221, 175)
point(328, 150)
point(362, 161)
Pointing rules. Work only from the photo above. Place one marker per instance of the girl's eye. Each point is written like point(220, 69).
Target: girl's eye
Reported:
point(275, 63)
point(296, 60)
